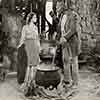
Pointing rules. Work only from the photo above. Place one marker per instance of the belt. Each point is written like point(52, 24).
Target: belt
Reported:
point(30, 38)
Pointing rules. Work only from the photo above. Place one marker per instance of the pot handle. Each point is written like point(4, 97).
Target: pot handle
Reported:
point(54, 56)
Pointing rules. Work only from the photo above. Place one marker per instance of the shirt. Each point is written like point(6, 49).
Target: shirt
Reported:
point(68, 23)
point(29, 32)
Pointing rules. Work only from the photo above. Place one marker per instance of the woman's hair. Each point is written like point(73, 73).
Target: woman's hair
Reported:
point(29, 17)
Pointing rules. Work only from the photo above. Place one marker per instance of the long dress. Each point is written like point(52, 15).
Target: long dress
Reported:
point(32, 44)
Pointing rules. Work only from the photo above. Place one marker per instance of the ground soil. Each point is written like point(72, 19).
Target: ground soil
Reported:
point(89, 84)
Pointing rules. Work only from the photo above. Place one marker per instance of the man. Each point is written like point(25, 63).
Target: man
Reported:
point(70, 41)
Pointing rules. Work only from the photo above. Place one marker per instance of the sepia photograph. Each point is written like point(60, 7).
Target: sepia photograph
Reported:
point(49, 50)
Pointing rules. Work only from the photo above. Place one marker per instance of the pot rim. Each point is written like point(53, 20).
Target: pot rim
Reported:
point(48, 70)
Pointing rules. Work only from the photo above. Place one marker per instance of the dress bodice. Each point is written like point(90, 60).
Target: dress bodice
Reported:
point(31, 32)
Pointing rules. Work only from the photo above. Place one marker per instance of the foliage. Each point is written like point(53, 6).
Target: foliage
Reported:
point(10, 35)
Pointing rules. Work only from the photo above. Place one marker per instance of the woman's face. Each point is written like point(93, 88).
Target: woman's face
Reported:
point(34, 19)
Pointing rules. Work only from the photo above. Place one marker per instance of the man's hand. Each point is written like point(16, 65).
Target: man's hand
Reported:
point(63, 40)
point(19, 46)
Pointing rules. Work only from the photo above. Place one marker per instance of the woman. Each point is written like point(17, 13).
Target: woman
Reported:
point(31, 40)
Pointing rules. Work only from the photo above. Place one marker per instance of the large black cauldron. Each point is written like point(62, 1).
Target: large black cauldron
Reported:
point(47, 78)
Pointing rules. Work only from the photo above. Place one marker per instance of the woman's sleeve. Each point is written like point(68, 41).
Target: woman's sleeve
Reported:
point(22, 36)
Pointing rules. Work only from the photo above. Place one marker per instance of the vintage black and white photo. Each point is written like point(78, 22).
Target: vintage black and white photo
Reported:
point(49, 50)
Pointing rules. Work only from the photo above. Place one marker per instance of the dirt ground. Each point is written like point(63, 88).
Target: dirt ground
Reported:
point(88, 88)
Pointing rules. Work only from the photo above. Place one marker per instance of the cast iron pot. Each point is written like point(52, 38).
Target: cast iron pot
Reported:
point(47, 78)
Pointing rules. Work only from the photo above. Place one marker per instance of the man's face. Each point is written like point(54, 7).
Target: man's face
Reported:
point(59, 7)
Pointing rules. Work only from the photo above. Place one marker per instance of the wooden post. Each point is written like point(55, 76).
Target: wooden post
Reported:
point(33, 4)
point(12, 5)
point(38, 16)
point(54, 9)
point(68, 3)
point(43, 15)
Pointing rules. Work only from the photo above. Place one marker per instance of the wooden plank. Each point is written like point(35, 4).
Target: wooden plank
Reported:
point(82, 61)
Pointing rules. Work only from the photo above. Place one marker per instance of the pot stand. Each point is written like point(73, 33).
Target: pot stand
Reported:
point(48, 78)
